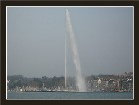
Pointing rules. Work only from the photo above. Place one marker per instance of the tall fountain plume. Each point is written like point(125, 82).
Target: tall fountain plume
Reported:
point(80, 82)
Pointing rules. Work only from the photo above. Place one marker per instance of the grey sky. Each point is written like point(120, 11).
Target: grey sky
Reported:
point(36, 39)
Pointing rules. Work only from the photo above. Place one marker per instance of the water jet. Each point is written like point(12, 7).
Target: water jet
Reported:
point(80, 82)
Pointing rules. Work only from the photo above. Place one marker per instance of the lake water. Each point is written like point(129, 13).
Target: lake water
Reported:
point(70, 95)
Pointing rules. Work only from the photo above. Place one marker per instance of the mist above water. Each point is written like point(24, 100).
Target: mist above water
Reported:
point(80, 82)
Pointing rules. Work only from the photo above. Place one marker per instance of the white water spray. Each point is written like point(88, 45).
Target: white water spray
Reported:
point(79, 79)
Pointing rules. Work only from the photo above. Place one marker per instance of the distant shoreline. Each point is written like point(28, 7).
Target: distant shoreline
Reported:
point(76, 91)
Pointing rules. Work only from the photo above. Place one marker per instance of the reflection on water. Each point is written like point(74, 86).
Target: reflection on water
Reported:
point(70, 95)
